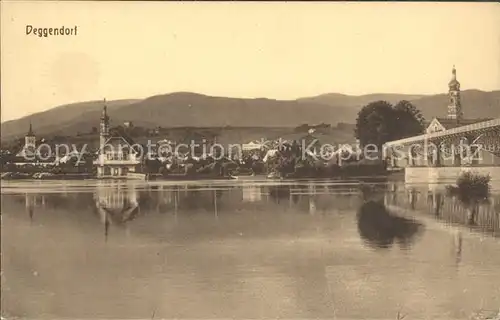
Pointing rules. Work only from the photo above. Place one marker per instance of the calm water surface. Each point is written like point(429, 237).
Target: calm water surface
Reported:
point(106, 250)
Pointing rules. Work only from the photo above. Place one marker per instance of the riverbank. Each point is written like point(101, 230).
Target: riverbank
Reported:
point(45, 176)
point(353, 171)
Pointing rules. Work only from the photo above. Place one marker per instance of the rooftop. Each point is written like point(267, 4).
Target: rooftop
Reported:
point(449, 123)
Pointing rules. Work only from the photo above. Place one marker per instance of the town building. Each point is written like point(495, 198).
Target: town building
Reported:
point(29, 149)
point(30, 155)
point(253, 145)
point(117, 155)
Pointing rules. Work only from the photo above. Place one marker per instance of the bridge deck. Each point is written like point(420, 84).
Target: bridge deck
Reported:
point(490, 125)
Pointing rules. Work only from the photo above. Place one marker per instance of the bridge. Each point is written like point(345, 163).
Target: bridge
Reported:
point(442, 156)
point(461, 143)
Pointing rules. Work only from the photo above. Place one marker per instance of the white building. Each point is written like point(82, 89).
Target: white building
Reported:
point(252, 145)
point(117, 155)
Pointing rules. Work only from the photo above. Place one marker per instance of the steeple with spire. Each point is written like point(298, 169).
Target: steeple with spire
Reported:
point(455, 105)
point(104, 125)
point(30, 131)
point(105, 111)
point(30, 140)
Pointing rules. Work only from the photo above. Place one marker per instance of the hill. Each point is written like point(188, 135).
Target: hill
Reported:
point(184, 109)
point(69, 118)
point(190, 109)
point(337, 99)
point(475, 104)
point(179, 109)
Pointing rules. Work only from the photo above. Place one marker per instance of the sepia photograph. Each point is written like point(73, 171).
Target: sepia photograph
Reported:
point(250, 160)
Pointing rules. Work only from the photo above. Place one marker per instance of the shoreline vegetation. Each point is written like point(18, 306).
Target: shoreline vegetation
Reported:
point(216, 170)
point(471, 189)
point(283, 162)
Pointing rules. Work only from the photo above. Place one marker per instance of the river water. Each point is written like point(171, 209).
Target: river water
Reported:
point(254, 249)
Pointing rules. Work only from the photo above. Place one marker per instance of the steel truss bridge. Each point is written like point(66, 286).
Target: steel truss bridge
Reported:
point(465, 139)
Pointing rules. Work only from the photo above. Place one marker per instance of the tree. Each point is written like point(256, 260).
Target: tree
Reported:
point(410, 120)
point(380, 122)
point(118, 130)
point(374, 124)
point(15, 146)
point(151, 165)
point(302, 128)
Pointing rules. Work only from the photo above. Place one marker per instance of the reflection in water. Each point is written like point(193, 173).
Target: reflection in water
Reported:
point(251, 194)
point(472, 215)
point(312, 198)
point(279, 192)
point(218, 251)
point(413, 194)
point(217, 195)
point(116, 206)
point(30, 205)
point(373, 192)
point(480, 216)
point(458, 246)
point(32, 201)
point(438, 202)
point(380, 229)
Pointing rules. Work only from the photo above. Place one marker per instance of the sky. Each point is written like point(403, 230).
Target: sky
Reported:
point(275, 50)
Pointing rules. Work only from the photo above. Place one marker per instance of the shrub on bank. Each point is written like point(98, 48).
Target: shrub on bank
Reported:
point(471, 187)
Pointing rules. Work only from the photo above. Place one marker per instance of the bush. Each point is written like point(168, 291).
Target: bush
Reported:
point(471, 187)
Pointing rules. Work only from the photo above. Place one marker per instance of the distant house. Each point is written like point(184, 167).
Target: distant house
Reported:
point(346, 126)
point(442, 124)
point(73, 155)
point(117, 154)
point(128, 124)
point(252, 145)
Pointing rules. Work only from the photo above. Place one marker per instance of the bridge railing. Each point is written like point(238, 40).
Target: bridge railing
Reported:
point(455, 131)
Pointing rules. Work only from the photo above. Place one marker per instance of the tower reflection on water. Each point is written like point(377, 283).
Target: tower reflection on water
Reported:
point(116, 204)
point(33, 200)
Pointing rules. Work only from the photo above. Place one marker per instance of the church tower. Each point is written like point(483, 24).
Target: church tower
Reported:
point(104, 126)
point(30, 140)
point(455, 106)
